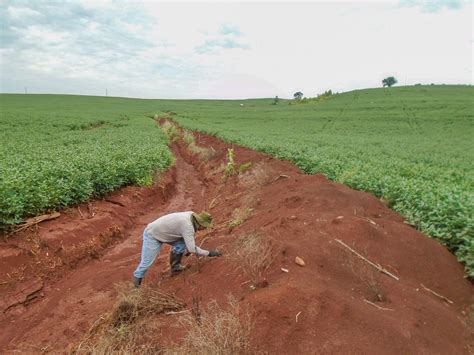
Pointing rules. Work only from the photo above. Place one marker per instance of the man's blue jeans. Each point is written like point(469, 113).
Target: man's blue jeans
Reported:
point(150, 250)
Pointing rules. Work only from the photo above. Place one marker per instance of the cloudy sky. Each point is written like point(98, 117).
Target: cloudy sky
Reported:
point(231, 50)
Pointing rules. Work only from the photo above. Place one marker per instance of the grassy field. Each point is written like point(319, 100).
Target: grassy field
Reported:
point(412, 146)
point(58, 150)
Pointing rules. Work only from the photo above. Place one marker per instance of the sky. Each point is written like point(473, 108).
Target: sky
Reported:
point(230, 50)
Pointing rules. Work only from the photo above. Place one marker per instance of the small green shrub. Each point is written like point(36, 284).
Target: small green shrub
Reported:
point(244, 167)
point(188, 137)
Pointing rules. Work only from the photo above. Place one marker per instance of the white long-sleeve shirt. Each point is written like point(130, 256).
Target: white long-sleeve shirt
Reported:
point(172, 227)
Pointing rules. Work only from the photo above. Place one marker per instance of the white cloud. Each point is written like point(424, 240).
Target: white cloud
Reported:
point(216, 50)
point(41, 35)
point(20, 13)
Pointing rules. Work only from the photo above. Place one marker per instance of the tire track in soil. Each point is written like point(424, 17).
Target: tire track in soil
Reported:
point(75, 301)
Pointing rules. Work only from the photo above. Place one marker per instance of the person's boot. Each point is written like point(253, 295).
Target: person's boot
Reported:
point(137, 282)
point(175, 263)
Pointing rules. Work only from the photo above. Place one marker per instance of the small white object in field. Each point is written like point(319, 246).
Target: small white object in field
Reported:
point(241, 105)
point(299, 261)
point(284, 270)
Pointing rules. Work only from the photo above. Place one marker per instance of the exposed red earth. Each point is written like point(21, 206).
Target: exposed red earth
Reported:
point(58, 277)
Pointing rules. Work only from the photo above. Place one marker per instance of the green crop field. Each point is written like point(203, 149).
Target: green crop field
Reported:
point(58, 150)
point(412, 146)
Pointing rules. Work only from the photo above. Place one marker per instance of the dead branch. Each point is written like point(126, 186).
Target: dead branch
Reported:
point(370, 221)
point(375, 265)
point(281, 177)
point(214, 202)
point(297, 316)
point(35, 220)
point(172, 312)
point(115, 202)
point(377, 306)
point(437, 294)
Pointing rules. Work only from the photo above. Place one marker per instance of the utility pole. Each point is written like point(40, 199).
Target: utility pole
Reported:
point(26, 91)
point(106, 92)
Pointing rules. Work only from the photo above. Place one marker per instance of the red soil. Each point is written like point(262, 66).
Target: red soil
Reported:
point(56, 279)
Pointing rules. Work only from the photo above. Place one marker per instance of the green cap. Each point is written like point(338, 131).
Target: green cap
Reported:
point(204, 219)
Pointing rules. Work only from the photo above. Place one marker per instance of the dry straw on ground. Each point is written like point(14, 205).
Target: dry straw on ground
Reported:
point(253, 254)
point(203, 153)
point(369, 277)
point(217, 331)
point(126, 329)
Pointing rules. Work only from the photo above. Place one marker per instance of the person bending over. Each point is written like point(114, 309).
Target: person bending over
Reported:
point(176, 229)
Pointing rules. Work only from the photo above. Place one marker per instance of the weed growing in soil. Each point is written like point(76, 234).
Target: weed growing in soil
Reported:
point(239, 216)
point(244, 167)
point(230, 168)
point(217, 332)
point(253, 254)
point(124, 329)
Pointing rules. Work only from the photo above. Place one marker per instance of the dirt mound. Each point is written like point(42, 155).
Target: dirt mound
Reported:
point(336, 303)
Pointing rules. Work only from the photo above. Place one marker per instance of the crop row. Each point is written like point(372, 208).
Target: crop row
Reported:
point(50, 159)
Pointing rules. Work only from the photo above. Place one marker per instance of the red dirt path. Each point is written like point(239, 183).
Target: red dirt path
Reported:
point(55, 280)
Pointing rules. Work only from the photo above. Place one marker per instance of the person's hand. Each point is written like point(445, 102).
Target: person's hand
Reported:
point(214, 253)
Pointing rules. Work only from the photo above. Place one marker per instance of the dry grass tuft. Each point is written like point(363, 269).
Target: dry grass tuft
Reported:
point(239, 216)
point(203, 153)
point(369, 276)
point(260, 175)
point(188, 137)
point(171, 131)
point(253, 254)
point(218, 331)
point(125, 329)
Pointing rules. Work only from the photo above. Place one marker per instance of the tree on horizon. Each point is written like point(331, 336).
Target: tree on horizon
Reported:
point(298, 95)
point(389, 81)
